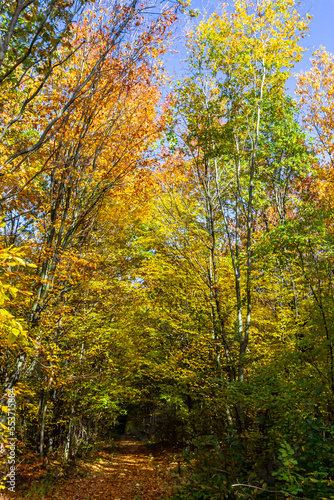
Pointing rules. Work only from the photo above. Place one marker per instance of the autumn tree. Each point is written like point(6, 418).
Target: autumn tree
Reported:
point(98, 145)
point(245, 160)
point(36, 44)
point(314, 252)
point(237, 93)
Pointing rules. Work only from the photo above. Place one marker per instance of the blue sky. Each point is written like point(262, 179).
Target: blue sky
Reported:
point(321, 28)
point(321, 33)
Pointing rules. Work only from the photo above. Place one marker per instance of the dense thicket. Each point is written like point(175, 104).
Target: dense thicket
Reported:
point(169, 273)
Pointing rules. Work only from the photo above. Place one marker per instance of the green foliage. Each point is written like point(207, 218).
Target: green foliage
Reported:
point(40, 28)
point(306, 467)
point(203, 478)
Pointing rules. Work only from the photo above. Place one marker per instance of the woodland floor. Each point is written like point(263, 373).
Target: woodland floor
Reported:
point(129, 471)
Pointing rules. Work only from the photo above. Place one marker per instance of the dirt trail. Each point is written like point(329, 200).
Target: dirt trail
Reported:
point(131, 472)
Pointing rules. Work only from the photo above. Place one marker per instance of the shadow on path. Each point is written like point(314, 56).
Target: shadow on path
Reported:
point(130, 472)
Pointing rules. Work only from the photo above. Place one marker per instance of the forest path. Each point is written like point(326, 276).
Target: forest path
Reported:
point(132, 471)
